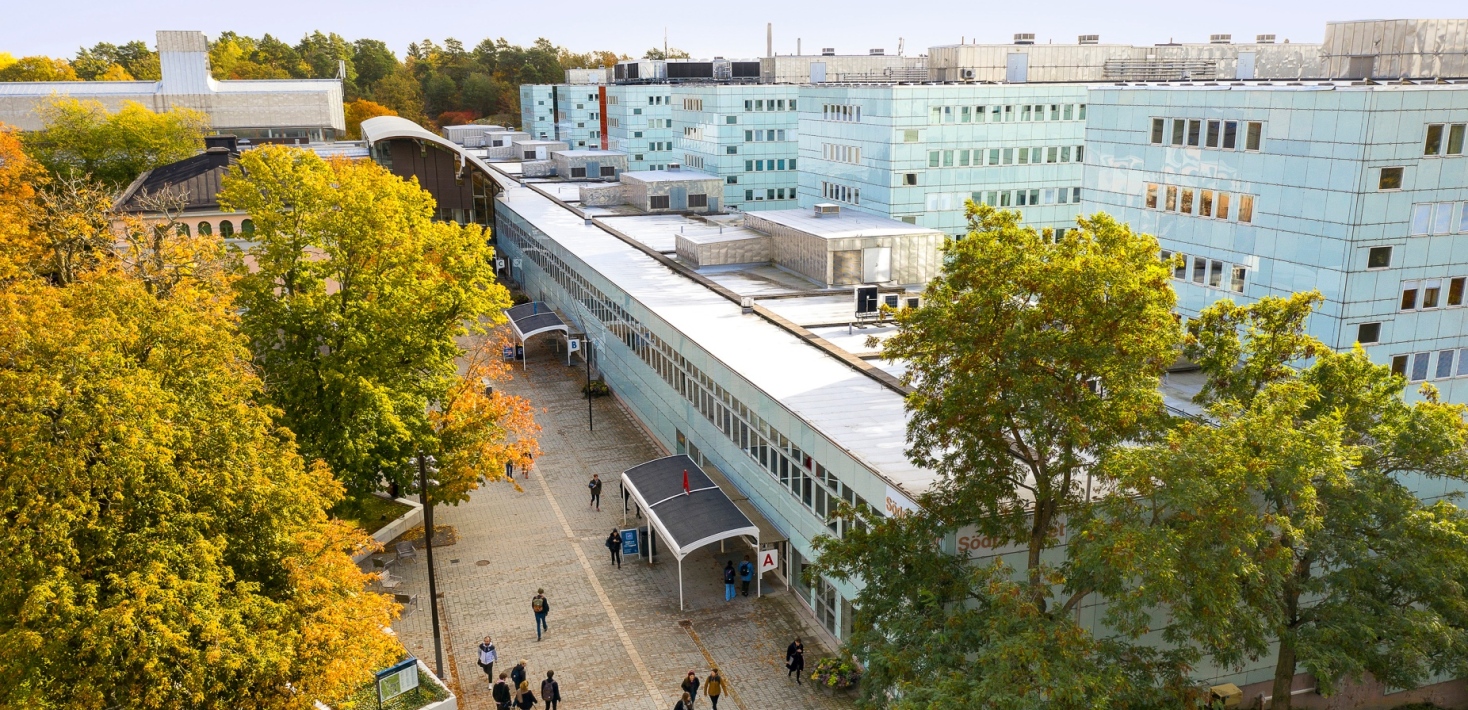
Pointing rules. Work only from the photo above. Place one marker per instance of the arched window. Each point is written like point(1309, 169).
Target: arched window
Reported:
point(247, 226)
point(226, 228)
point(205, 230)
point(183, 229)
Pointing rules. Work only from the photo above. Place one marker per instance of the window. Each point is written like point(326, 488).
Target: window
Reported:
point(1200, 269)
point(1236, 281)
point(1399, 365)
point(909, 136)
point(1419, 366)
point(909, 179)
point(1194, 128)
point(1455, 138)
point(183, 229)
point(1409, 295)
point(1222, 211)
point(1187, 204)
point(1391, 179)
point(1230, 135)
point(933, 158)
point(1442, 218)
point(1255, 132)
point(226, 228)
point(608, 171)
point(1211, 140)
point(1455, 291)
point(578, 172)
point(698, 200)
point(1246, 208)
point(1205, 203)
point(1430, 291)
point(1445, 364)
point(1368, 333)
point(731, 150)
point(1178, 126)
point(1151, 196)
point(657, 202)
point(247, 226)
point(205, 229)
point(1215, 274)
point(1379, 258)
point(1434, 140)
point(731, 180)
point(1171, 204)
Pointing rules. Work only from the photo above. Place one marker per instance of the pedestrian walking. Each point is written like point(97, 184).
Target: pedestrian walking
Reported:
point(541, 606)
point(502, 694)
point(714, 687)
point(690, 688)
point(795, 659)
point(550, 691)
point(517, 675)
point(487, 657)
point(595, 486)
point(524, 699)
point(529, 461)
point(728, 580)
point(614, 546)
point(746, 573)
point(684, 703)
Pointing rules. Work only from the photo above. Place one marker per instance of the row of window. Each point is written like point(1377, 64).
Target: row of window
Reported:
point(605, 171)
point(693, 161)
point(1439, 218)
point(1421, 295)
point(1415, 366)
point(1437, 146)
point(1210, 203)
point(759, 166)
point(226, 228)
point(661, 202)
point(840, 193)
point(692, 104)
point(773, 193)
point(1198, 133)
point(979, 157)
point(817, 488)
point(765, 135)
point(768, 105)
point(839, 153)
point(1002, 114)
point(1007, 198)
point(849, 113)
point(1209, 272)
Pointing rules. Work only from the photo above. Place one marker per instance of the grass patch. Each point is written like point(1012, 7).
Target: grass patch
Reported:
point(426, 693)
point(369, 513)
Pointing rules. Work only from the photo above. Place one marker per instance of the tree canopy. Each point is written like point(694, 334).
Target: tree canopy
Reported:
point(83, 138)
point(354, 310)
point(165, 545)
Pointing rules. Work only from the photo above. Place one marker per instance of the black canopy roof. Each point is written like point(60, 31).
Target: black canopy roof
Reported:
point(688, 521)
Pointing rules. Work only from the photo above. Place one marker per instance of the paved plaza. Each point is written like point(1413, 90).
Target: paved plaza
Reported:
point(616, 637)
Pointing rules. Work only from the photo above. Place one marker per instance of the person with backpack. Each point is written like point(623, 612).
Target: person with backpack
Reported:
point(517, 675)
point(690, 688)
point(728, 581)
point(595, 485)
point(541, 606)
point(550, 691)
point(684, 703)
point(614, 545)
point(746, 573)
point(714, 687)
point(524, 699)
point(502, 694)
point(795, 659)
point(487, 657)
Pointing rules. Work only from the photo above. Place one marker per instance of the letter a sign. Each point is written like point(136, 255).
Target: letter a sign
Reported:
point(768, 560)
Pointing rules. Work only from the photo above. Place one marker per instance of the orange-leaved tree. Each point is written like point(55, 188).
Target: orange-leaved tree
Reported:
point(361, 110)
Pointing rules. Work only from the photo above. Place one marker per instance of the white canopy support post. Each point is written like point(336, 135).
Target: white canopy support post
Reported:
point(680, 585)
point(759, 577)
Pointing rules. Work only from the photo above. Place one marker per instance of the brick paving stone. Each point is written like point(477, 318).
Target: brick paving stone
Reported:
point(520, 535)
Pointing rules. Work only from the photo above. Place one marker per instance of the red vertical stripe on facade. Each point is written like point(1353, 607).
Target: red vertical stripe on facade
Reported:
point(601, 95)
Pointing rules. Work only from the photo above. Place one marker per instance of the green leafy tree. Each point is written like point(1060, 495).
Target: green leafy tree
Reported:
point(91, 64)
point(372, 60)
point(481, 94)
point(401, 93)
point(1292, 522)
point(322, 52)
point(353, 312)
point(84, 138)
point(165, 544)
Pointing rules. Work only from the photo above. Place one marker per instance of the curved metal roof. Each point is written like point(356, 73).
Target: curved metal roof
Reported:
point(390, 127)
point(687, 520)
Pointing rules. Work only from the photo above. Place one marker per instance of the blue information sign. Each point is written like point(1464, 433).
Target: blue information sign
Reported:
point(629, 542)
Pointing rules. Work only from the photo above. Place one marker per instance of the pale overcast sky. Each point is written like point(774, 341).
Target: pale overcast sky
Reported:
point(730, 29)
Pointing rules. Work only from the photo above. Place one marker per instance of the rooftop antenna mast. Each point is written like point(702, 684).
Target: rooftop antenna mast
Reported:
point(899, 46)
point(665, 43)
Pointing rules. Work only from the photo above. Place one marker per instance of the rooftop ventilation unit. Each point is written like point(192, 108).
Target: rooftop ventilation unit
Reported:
point(674, 167)
point(1024, 38)
point(828, 51)
point(967, 74)
point(1220, 39)
point(1090, 39)
point(1264, 39)
point(827, 208)
point(876, 52)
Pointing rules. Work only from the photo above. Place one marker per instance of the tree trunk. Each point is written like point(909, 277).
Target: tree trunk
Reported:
point(1038, 532)
point(1284, 675)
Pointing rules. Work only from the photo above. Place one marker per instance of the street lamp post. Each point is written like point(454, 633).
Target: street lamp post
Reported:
point(428, 548)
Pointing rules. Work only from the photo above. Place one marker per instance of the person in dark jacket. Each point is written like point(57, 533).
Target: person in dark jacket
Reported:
point(614, 545)
point(594, 485)
point(502, 694)
point(524, 699)
point(684, 703)
point(517, 675)
point(541, 606)
point(487, 657)
point(746, 573)
point(690, 688)
point(795, 659)
point(550, 691)
point(729, 581)
point(714, 687)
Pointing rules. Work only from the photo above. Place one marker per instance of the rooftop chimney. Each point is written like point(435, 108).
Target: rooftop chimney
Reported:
point(1024, 38)
point(769, 39)
point(1089, 39)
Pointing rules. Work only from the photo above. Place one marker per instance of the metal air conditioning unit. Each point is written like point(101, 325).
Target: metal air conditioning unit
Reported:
point(828, 51)
point(825, 208)
point(1089, 39)
point(1024, 38)
point(967, 74)
point(1220, 39)
point(1264, 39)
point(876, 52)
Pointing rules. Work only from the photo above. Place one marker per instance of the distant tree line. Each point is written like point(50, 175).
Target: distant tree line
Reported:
point(433, 83)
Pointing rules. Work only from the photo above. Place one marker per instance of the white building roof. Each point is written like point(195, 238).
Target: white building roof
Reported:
point(850, 409)
point(840, 225)
point(589, 153)
point(668, 175)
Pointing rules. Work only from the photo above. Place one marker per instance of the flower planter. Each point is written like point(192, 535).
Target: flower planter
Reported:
point(394, 528)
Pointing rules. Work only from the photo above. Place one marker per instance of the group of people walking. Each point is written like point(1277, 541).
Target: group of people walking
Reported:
point(713, 688)
point(512, 688)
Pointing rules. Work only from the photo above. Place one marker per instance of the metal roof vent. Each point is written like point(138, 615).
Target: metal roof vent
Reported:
point(674, 167)
point(1090, 39)
point(827, 208)
point(1024, 38)
point(1220, 39)
point(828, 51)
point(876, 52)
point(1264, 39)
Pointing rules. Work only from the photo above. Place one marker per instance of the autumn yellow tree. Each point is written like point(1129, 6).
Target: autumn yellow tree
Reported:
point(165, 545)
point(38, 68)
point(83, 138)
point(361, 110)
